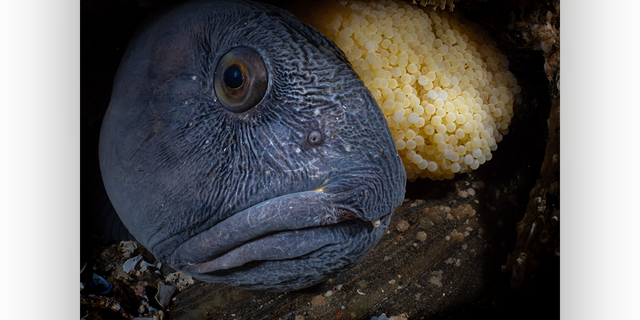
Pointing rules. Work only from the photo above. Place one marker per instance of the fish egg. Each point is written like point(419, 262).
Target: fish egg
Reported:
point(356, 53)
point(398, 116)
point(402, 62)
point(468, 159)
point(438, 138)
point(414, 101)
point(387, 105)
point(451, 127)
point(416, 159)
point(370, 45)
point(449, 107)
point(429, 130)
point(430, 109)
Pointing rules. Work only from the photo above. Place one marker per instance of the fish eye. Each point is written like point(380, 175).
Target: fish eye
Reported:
point(241, 79)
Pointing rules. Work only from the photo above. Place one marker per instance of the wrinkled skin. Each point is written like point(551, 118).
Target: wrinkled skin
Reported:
point(247, 199)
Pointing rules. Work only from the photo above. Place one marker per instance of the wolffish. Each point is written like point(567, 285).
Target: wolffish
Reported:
point(240, 147)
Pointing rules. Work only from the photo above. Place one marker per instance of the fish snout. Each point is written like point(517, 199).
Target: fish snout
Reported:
point(277, 237)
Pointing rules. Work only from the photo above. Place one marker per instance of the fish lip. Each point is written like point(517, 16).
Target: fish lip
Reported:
point(281, 245)
point(198, 254)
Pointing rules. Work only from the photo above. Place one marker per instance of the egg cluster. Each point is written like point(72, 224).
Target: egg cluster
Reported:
point(445, 89)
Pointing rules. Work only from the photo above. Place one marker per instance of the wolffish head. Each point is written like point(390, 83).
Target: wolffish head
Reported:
point(240, 147)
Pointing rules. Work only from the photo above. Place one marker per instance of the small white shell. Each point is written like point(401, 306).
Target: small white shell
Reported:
point(131, 263)
point(164, 294)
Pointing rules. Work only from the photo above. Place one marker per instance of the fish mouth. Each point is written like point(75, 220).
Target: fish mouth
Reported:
point(289, 227)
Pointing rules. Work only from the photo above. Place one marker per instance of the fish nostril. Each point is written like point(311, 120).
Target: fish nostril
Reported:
point(315, 137)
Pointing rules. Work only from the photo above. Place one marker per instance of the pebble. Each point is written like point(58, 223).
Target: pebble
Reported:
point(127, 248)
point(457, 236)
point(436, 278)
point(402, 225)
point(318, 301)
point(380, 317)
point(179, 279)
point(463, 211)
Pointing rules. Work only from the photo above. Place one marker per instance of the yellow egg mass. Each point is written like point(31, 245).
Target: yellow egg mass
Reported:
point(444, 88)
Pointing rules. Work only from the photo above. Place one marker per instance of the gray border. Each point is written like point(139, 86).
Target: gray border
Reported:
point(40, 166)
point(599, 178)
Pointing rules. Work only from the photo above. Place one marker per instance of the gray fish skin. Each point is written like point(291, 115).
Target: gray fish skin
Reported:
point(246, 199)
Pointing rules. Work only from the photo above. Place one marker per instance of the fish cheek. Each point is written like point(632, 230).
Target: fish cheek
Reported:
point(170, 54)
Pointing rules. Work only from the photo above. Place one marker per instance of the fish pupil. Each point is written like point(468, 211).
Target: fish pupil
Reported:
point(233, 77)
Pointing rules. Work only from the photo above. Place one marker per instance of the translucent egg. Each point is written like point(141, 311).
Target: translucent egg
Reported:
point(398, 116)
